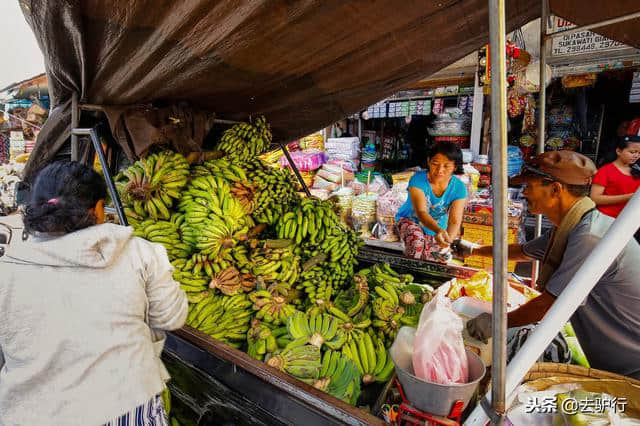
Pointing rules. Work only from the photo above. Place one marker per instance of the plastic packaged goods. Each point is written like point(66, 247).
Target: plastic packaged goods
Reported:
point(345, 148)
point(313, 141)
point(348, 165)
point(376, 183)
point(305, 161)
point(344, 200)
point(387, 207)
point(439, 355)
point(320, 183)
point(322, 194)
point(363, 213)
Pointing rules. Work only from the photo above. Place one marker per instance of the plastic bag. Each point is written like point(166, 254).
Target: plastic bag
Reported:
point(439, 355)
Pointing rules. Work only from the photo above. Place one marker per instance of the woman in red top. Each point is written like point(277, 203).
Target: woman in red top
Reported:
point(615, 183)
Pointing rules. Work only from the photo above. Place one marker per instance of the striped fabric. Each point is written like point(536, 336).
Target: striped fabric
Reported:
point(150, 414)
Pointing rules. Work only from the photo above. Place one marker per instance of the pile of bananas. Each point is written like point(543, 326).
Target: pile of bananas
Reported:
point(318, 330)
point(213, 219)
point(275, 191)
point(228, 282)
point(300, 361)
point(381, 273)
point(271, 308)
point(260, 340)
point(225, 318)
point(234, 174)
point(149, 187)
point(339, 376)
point(275, 261)
point(283, 290)
point(245, 141)
point(372, 359)
point(165, 233)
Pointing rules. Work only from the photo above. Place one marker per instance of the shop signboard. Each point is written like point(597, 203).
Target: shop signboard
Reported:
point(580, 43)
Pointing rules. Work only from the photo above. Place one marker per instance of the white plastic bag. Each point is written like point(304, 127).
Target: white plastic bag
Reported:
point(438, 350)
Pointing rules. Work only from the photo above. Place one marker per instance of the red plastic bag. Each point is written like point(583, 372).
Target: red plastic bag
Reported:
point(438, 350)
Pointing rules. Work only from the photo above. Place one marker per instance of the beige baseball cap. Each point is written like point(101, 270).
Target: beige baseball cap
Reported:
point(567, 167)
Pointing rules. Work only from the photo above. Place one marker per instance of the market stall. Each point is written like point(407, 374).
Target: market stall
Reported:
point(234, 193)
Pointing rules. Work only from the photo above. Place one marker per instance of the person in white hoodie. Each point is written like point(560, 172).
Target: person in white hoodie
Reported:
point(81, 302)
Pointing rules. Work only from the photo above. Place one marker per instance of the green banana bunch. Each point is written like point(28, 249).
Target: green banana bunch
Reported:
point(339, 376)
point(381, 273)
point(275, 191)
point(355, 298)
point(236, 177)
point(300, 361)
point(271, 309)
point(165, 233)
point(354, 327)
point(318, 330)
point(275, 260)
point(372, 359)
point(260, 340)
point(413, 298)
point(387, 311)
point(244, 141)
point(190, 281)
point(149, 186)
point(283, 339)
point(201, 264)
point(318, 284)
point(224, 318)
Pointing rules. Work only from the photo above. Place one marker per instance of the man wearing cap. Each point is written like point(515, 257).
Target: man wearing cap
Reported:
point(607, 323)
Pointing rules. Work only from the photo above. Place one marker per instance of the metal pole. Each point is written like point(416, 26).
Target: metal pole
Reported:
point(497, 39)
point(542, 111)
point(74, 125)
point(595, 25)
point(95, 139)
point(295, 169)
point(578, 288)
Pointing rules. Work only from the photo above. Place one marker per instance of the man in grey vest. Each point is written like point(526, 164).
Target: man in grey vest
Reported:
point(607, 323)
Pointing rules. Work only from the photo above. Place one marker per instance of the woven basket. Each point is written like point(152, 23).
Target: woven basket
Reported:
point(545, 374)
point(543, 370)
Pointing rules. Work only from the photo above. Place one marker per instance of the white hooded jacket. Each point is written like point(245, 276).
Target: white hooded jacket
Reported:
point(76, 319)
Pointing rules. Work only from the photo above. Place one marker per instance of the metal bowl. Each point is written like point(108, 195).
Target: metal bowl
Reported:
point(435, 398)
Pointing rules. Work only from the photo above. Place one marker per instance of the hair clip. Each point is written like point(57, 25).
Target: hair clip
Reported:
point(53, 201)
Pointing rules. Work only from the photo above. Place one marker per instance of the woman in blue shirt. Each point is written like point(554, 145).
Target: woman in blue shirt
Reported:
point(430, 219)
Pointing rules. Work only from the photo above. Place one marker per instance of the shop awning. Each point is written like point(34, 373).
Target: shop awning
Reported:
point(302, 64)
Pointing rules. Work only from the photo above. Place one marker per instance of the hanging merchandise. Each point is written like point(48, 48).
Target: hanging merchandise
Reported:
point(529, 120)
point(514, 160)
point(516, 103)
point(388, 148)
point(528, 80)
point(368, 157)
point(527, 146)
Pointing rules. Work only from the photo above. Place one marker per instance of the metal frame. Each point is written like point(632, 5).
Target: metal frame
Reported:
point(497, 39)
point(608, 248)
point(95, 139)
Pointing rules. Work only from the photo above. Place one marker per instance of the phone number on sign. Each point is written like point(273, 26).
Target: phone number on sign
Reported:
point(572, 406)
